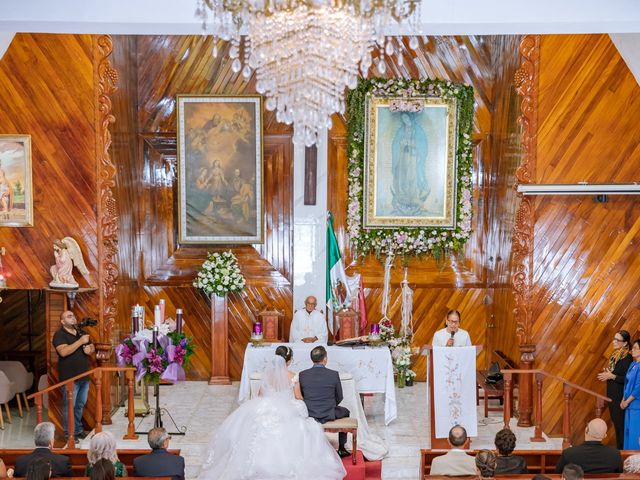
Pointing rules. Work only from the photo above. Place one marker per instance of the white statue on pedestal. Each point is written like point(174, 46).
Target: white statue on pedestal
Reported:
point(67, 253)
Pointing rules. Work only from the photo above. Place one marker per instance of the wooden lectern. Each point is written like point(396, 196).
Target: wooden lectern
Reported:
point(437, 443)
point(348, 323)
point(271, 324)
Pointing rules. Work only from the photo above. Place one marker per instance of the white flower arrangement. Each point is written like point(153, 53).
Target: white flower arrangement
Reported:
point(220, 274)
point(407, 242)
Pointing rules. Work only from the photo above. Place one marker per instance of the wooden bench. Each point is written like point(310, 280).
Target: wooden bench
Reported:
point(346, 425)
point(538, 461)
point(78, 457)
point(489, 390)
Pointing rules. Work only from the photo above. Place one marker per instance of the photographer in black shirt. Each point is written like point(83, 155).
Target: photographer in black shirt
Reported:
point(74, 350)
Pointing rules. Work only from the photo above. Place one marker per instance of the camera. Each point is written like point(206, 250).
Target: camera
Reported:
point(87, 322)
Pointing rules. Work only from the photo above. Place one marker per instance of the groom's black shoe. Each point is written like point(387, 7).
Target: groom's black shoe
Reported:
point(342, 452)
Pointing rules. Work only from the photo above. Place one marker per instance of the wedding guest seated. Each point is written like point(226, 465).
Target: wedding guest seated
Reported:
point(322, 393)
point(572, 471)
point(103, 446)
point(486, 463)
point(456, 462)
point(271, 437)
point(43, 436)
point(159, 463)
point(103, 469)
point(39, 469)
point(287, 353)
point(632, 464)
point(592, 455)
point(505, 442)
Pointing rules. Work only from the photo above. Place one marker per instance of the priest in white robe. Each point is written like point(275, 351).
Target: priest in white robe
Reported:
point(308, 324)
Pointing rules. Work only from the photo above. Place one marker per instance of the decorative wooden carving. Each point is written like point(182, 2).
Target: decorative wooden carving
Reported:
point(526, 80)
point(219, 341)
point(271, 324)
point(348, 322)
point(105, 80)
point(310, 174)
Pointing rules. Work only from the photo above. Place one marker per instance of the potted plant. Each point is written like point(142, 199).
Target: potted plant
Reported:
point(409, 377)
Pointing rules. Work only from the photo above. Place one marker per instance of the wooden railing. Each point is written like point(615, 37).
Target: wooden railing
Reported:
point(569, 389)
point(97, 375)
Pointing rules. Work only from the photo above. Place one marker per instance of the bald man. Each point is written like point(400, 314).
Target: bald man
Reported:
point(308, 324)
point(592, 455)
point(74, 351)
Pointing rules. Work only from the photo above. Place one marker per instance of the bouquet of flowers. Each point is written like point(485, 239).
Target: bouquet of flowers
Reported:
point(164, 360)
point(387, 331)
point(220, 274)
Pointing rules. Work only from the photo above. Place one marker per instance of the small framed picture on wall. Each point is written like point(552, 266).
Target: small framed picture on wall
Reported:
point(16, 190)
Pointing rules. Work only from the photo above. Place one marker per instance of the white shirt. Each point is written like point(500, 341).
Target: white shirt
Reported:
point(460, 339)
point(305, 325)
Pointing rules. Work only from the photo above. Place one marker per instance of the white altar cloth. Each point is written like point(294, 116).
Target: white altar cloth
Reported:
point(370, 444)
point(371, 368)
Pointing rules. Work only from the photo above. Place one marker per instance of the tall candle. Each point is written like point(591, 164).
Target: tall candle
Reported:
point(178, 320)
point(134, 321)
point(162, 317)
point(157, 315)
point(155, 337)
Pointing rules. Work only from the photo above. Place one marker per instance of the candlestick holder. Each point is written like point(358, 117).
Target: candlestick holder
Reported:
point(157, 416)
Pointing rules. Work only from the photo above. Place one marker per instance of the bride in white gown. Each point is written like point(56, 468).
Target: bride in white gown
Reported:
point(272, 437)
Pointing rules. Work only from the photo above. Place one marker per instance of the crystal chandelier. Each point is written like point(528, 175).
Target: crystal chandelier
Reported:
point(305, 52)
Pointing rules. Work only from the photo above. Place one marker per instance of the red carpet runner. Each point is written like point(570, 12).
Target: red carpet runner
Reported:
point(362, 470)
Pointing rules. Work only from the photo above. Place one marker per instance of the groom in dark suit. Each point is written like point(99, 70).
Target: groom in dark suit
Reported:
point(322, 392)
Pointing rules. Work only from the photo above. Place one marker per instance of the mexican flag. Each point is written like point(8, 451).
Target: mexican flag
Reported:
point(335, 271)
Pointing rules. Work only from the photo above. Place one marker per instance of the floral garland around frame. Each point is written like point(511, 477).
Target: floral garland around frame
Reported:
point(413, 241)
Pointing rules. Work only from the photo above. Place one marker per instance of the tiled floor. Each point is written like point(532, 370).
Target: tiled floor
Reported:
point(202, 408)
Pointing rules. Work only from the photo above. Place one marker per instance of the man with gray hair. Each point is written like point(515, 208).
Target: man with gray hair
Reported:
point(43, 436)
point(159, 463)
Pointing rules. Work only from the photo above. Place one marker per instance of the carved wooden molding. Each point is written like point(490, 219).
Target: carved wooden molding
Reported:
point(526, 80)
point(105, 81)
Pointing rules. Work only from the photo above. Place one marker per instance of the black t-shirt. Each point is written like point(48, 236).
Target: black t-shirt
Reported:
point(74, 364)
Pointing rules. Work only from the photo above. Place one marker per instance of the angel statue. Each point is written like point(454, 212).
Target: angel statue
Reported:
point(67, 253)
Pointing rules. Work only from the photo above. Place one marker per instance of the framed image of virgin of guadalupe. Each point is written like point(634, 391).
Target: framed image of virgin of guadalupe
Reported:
point(220, 172)
point(16, 190)
point(410, 162)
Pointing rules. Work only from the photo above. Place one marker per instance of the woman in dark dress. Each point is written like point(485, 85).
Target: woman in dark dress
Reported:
point(507, 463)
point(614, 374)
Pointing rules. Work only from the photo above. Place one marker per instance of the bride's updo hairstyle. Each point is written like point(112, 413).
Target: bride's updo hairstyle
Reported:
point(285, 352)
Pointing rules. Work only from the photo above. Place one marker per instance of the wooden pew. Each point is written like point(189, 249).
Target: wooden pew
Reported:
point(538, 461)
point(78, 457)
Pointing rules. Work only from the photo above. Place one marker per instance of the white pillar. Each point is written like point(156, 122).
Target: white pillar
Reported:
point(309, 230)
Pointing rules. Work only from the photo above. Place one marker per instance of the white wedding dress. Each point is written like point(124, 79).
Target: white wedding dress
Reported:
point(272, 437)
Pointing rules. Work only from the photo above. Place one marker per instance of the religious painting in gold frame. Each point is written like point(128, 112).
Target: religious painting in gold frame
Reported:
point(410, 162)
point(16, 189)
point(220, 169)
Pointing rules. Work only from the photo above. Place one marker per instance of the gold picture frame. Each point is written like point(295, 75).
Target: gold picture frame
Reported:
point(410, 162)
point(220, 169)
point(16, 187)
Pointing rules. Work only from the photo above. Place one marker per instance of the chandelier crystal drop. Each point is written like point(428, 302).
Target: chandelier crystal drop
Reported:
point(305, 53)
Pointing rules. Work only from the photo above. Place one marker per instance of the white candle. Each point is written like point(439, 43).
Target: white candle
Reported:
point(157, 315)
point(161, 310)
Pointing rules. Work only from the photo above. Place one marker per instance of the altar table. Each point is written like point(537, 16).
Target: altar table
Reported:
point(371, 367)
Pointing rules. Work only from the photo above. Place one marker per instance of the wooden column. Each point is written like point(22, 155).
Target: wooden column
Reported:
point(103, 355)
point(219, 341)
point(525, 383)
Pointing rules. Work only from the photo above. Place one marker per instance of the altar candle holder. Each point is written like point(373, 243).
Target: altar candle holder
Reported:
point(257, 328)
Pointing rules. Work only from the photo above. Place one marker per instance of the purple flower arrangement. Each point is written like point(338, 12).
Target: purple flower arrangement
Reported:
point(164, 359)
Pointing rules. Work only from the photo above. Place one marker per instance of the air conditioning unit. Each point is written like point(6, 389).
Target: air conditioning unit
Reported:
point(580, 189)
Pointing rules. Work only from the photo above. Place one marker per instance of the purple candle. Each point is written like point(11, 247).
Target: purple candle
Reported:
point(257, 328)
point(155, 337)
point(375, 329)
point(179, 320)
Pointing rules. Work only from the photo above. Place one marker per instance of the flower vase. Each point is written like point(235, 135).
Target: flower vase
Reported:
point(409, 382)
point(401, 380)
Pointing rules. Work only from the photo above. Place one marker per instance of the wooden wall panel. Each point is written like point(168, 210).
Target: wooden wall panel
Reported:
point(585, 254)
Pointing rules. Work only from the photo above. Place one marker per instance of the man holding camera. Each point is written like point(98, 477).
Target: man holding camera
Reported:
point(74, 349)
